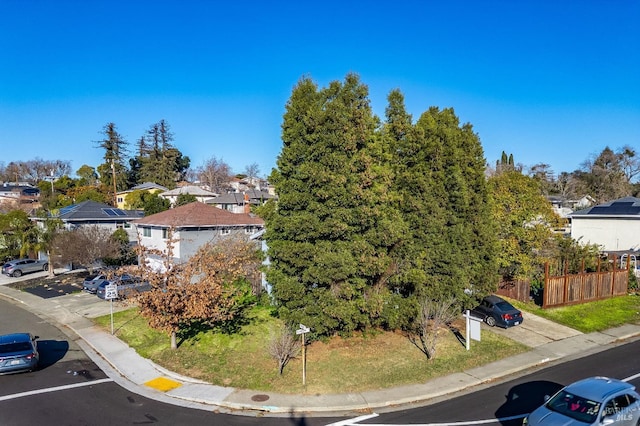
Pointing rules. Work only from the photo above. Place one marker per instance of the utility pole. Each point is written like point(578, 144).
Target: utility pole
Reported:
point(113, 178)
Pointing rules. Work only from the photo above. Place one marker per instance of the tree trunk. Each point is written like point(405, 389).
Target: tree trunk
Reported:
point(174, 344)
point(51, 272)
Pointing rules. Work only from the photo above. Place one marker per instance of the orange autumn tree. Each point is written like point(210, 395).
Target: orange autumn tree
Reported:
point(212, 288)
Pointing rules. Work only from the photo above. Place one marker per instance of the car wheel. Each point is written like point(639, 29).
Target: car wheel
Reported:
point(17, 273)
point(45, 267)
point(491, 321)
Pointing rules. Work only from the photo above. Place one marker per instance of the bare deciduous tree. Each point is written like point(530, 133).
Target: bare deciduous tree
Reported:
point(215, 173)
point(283, 347)
point(433, 316)
point(209, 288)
point(85, 246)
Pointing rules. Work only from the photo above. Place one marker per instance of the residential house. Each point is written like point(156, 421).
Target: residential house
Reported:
point(189, 227)
point(564, 206)
point(241, 202)
point(615, 226)
point(202, 195)
point(89, 213)
point(19, 195)
point(146, 186)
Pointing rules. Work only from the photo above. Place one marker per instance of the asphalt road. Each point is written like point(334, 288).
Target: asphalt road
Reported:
point(69, 389)
point(519, 396)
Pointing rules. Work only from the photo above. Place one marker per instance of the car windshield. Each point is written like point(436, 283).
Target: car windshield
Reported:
point(9, 348)
point(574, 406)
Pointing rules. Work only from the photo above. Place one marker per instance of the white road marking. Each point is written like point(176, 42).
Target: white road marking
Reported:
point(54, 389)
point(635, 376)
point(355, 422)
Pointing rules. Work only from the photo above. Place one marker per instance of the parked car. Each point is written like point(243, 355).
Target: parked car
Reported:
point(126, 287)
point(18, 352)
point(91, 283)
point(495, 310)
point(15, 268)
point(592, 401)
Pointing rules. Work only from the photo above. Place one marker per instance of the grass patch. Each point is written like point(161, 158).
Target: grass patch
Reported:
point(362, 362)
point(593, 316)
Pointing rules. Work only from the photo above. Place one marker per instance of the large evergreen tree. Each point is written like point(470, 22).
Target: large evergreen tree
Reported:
point(374, 218)
point(158, 160)
point(450, 250)
point(329, 237)
point(115, 153)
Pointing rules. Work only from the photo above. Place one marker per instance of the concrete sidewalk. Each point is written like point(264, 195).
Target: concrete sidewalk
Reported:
point(72, 313)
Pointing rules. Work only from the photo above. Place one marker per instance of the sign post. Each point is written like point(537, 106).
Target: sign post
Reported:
point(301, 331)
point(473, 328)
point(110, 293)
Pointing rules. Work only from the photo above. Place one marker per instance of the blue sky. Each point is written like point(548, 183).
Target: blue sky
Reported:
point(550, 81)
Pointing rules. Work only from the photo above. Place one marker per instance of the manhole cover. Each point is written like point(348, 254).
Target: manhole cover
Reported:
point(259, 398)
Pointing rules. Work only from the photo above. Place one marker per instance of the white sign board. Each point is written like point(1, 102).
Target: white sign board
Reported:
point(303, 329)
point(474, 330)
point(110, 292)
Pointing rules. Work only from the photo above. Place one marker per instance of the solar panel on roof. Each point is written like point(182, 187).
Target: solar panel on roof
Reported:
point(109, 212)
point(622, 208)
point(68, 209)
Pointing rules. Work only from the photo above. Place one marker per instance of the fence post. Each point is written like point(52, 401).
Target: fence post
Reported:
point(545, 287)
point(565, 294)
point(613, 275)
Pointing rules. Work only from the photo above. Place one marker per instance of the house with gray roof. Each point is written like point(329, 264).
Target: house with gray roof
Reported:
point(241, 202)
point(151, 187)
point(201, 194)
point(89, 213)
point(615, 226)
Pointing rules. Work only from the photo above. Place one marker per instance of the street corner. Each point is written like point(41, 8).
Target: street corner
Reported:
point(163, 384)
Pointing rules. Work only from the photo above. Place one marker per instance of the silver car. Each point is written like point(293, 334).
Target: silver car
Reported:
point(592, 401)
point(15, 268)
point(18, 352)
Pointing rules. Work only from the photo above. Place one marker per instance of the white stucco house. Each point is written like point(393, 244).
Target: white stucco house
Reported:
point(190, 226)
point(615, 226)
point(201, 195)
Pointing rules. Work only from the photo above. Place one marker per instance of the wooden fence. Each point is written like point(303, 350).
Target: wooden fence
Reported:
point(584, 287)
point(570, 289)
point(517, 290)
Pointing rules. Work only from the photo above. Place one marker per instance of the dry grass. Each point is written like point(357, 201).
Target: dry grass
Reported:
point(359, 363)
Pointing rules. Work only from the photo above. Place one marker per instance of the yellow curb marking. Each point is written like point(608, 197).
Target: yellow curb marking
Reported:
point(163, 384)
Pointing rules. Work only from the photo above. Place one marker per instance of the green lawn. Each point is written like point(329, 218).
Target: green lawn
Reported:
point(593, 316)
point(362, 362)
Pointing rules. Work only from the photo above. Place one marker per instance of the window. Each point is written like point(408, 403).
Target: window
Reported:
point(127, 225)
point(146, 232)
point(165, 233)
point(248, 230)
point(225, 231)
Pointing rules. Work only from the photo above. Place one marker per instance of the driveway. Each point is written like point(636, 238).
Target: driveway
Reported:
point(535, 331)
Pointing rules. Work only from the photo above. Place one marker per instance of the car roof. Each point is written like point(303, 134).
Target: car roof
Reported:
point(598, 388)
point(494, 299)
point(14, 337)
